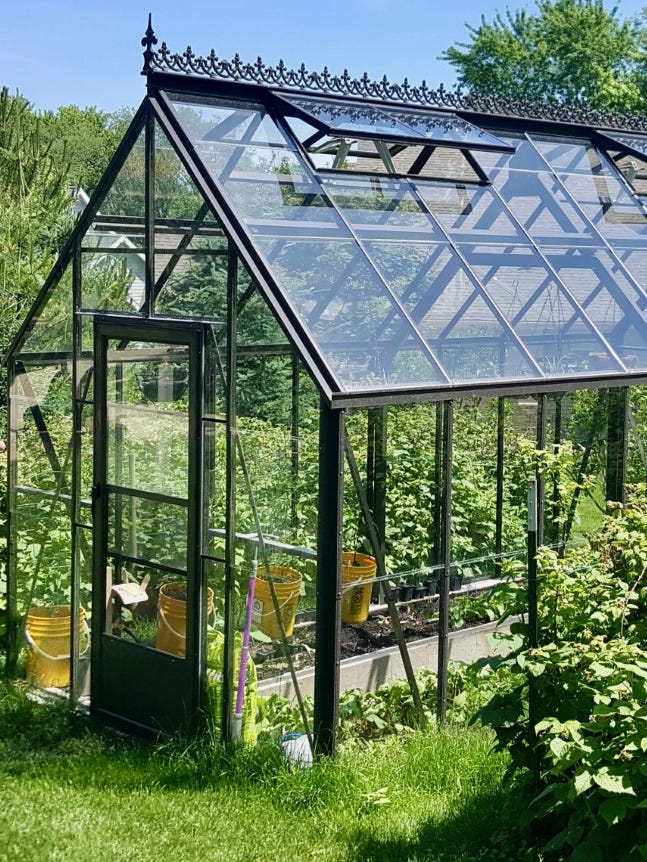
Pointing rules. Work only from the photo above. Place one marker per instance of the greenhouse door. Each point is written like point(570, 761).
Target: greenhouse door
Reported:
point(148, 621)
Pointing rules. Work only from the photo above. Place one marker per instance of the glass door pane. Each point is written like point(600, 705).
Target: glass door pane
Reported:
point(148, 523)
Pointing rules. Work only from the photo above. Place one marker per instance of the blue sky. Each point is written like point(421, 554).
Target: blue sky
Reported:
point(61, 52)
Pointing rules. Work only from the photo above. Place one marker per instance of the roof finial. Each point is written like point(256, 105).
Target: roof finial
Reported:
point(148, 41)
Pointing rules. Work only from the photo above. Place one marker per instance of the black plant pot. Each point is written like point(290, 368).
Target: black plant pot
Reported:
point(419, 591)
point(433, 586)
point(455, 582)
point(406, 593)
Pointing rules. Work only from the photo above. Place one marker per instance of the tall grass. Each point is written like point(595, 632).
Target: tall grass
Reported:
point(73, 791)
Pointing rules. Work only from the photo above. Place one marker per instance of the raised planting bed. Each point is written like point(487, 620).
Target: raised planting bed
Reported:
point(373, 668)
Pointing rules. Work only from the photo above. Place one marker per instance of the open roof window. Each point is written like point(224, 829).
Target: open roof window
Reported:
point(629, 152)
point(362, 137)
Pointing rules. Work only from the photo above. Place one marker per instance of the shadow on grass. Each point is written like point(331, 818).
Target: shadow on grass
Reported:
point(488, 827)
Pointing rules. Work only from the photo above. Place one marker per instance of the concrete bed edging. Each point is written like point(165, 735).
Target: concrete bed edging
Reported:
point(371, 670)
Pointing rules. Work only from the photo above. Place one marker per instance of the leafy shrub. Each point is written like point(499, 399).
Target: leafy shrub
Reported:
point(585, 686)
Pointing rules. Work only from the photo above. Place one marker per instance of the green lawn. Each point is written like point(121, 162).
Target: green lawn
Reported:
point(70, 791)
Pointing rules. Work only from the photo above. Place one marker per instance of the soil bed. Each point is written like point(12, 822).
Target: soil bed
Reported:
point(356, 638)
point(377, 632)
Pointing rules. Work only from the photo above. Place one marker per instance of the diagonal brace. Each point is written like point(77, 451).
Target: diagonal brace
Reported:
point(373, 537)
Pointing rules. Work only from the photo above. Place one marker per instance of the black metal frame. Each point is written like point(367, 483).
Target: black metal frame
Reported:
point(186, 675)
point(166, 71)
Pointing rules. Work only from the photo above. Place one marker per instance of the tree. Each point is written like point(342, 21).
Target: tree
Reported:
point(572, 52)
point(85, 138)
point(35, 211)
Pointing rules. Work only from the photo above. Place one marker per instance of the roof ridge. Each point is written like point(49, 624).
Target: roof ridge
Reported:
point(326, 83)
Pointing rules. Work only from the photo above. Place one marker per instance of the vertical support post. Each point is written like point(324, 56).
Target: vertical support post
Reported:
point(541, 445)
point(76, 471)
point(438, 480)
point(370, 459)
point(118, 459)
point(446, 543)
point(329, 587)
point(294, 430)
point(99, 533)
point(500, 466)
point(13, 618)
point(533, 634)
point(533, 544)
point(556, 502)
point(230, 496)
point(149, 210)
point(376, 472)
point(618, 408)
point(379, 503)
point(196, 639)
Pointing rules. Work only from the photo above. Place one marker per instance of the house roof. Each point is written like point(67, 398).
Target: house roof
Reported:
point(418, 243)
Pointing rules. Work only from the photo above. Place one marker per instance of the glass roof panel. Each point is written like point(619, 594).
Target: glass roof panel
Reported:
point(569, 157)
point(354, 118)
point(284, 208)
point(611, 301)
point(271, 190)
point(387, 122)
point(524, 158)
point(230, 121)
point(471, 213)
point(540, 205)
point(446, 128)
point(449, 308)
point(350, 313)
point(611, 208)
point(555, 331)
point(425, 283)
point(379, 208)
point(635, 262)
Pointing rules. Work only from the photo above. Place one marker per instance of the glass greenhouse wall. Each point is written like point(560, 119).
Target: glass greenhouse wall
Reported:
point(297, 364)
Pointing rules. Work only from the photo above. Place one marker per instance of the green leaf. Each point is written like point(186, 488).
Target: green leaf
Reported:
point(582, 782)
point(613, 810)
point(633, 668)
point(613, 783)
point(557, 746)
point(601, 670)
point(587, 852)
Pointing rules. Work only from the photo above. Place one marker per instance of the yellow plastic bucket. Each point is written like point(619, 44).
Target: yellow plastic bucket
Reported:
point(48, 632)
point(171, 618)
point(357, 575)
point(287, 585)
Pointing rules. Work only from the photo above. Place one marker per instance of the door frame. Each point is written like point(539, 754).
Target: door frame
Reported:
point(182, 698)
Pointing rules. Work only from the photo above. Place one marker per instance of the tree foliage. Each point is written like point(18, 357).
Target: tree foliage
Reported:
point(573, 52)
point(85, 138)
point(35, 212)
point(43, 158)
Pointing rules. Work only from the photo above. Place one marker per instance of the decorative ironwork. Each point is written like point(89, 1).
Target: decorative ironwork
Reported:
point(149, 40)
point(324, 82)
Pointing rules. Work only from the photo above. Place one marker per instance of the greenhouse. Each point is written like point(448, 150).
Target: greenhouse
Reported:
point(318, 352)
